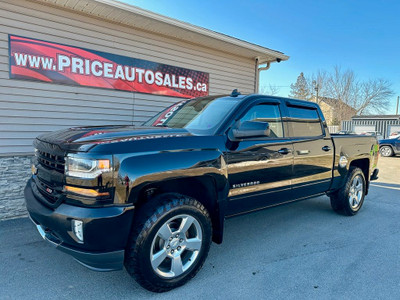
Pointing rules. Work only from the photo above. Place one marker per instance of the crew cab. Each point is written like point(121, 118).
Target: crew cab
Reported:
point(153, 198)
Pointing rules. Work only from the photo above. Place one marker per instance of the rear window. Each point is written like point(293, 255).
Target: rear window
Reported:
point(305, 122)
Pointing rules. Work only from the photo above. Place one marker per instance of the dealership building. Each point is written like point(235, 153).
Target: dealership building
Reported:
point(67, 63)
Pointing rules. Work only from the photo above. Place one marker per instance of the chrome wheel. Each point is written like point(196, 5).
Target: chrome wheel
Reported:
point(356, 192)
point(176, 246)
point(386, 151)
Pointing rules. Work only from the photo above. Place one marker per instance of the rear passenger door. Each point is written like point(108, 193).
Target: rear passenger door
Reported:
point(313, 151)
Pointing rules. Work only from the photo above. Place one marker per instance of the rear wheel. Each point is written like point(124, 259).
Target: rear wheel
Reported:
point(169, 243)
point(386, 151)
point(350, 198)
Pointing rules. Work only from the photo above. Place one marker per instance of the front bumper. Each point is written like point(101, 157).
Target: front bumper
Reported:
point(106, 230)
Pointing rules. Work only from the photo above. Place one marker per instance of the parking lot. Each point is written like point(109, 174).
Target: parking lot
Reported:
point(300, 250)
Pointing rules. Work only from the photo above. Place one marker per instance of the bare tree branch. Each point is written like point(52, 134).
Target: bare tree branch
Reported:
point(271, 90)
point(346, 92)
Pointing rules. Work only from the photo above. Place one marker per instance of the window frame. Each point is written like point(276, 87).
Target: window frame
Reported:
point(304, 106)
point(271, 102)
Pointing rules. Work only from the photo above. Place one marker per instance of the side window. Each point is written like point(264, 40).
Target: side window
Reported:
point(266, 113)
point(305, 122)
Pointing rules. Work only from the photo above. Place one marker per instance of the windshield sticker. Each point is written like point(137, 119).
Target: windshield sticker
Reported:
point(169, 113)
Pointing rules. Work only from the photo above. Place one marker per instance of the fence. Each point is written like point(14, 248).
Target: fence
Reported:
point(333, 129)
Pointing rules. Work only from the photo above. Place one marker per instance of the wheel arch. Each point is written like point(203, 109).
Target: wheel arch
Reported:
point(383, 145)
point(364, 165)
point(202, 188)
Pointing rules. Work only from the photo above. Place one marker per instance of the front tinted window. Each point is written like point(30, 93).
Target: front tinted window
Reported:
point(266, 113)
point(200, 115)
point(305, 122)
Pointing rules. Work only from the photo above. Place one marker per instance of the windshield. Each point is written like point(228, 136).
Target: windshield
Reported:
point(200, 115)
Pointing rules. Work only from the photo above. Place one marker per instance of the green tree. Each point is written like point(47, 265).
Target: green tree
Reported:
point(300, 89)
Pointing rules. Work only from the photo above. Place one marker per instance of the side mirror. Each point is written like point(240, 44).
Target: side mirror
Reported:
point(251, 129)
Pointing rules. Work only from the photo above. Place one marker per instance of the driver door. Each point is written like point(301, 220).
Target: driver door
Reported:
point(260, 168)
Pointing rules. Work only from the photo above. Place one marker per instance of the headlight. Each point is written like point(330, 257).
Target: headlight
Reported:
point(86, 168)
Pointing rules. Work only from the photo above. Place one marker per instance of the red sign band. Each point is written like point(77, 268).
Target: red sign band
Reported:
point(50, 62)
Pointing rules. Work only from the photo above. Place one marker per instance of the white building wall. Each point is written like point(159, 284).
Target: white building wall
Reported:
point(29, 108)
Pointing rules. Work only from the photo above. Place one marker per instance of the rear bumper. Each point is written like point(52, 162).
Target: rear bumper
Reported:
point(106, 231)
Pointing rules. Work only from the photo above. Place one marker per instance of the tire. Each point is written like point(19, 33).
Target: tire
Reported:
point(386, 151)
point(169, 242)
point(350, 198)
point(335, 204)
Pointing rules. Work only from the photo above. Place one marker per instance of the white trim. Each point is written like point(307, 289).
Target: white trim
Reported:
point(264, 54)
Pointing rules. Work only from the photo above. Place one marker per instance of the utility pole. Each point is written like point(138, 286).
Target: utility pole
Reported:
point(397, 106)
point(316, 88)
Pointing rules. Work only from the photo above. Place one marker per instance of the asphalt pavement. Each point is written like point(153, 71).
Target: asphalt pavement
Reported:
point(301, 250)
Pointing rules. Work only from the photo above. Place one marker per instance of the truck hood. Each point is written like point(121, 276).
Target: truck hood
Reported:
point(84, 138)
point(387, 141)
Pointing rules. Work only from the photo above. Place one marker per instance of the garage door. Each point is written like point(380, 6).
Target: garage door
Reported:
point(363, 128)
point(393, 128)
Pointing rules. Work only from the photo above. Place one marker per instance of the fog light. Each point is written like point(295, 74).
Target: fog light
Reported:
point(77, 229)
point(343, 161)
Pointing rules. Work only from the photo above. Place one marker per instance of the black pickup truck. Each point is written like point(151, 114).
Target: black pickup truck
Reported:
point(153, 198)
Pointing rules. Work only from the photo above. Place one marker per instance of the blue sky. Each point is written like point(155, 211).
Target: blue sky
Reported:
point(360, 35)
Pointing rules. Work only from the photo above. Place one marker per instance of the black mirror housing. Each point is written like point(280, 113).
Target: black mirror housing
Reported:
point(249, 129)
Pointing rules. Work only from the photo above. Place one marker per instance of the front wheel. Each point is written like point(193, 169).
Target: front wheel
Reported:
point(386, 151)
point(350, 198)
point(169, 243)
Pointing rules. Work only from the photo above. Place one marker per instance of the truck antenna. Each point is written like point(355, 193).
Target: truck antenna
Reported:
point(235, 93)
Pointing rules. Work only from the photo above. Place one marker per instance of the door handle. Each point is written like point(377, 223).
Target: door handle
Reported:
point(284, 151)
point(326, 148)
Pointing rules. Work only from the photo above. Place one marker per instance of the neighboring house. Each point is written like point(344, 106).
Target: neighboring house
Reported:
point(334, 110)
